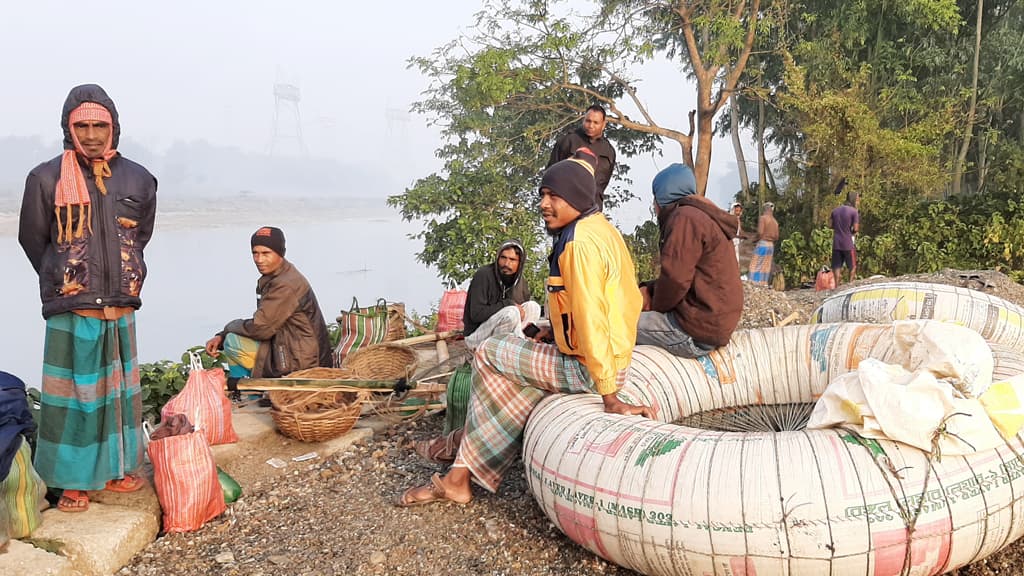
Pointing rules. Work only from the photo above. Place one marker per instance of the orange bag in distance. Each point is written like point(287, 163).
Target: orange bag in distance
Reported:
point(825, 280)
point(203, 401)
point(451, 310)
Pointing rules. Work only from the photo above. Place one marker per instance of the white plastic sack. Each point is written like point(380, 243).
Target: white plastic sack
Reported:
point(921, 400)
point(947, 350)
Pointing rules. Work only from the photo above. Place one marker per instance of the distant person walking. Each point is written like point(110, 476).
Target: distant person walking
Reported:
point(737, 210)
point(764, 252)
point(589, 135)
point(86, 218)
point(845, 223)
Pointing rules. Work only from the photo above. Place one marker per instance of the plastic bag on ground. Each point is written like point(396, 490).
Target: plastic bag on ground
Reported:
point(185, 476)
point(231, 488)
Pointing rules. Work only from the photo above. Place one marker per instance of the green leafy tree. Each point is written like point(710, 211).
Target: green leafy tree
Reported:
point(503, 92)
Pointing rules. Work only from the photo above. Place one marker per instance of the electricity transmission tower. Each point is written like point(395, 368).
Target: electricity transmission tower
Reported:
point(286, 104)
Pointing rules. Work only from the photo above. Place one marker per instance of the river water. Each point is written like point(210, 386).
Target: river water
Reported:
point(201, 274)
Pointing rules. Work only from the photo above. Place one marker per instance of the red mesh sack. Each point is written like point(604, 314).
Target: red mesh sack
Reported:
point(449, 313)
point(203, 401)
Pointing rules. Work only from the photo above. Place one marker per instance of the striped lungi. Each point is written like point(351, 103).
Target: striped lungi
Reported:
point(90, 428)
point(761, 262)
point(510, 376)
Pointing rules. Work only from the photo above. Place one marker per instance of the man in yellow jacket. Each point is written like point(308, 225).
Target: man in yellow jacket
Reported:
point(594, 305)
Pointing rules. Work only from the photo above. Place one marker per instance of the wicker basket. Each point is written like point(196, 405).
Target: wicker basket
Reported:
point(315, 416)
point(382, 362)
point(324, 374)
point(396, 321)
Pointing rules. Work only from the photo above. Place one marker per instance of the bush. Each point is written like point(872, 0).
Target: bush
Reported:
point(964, 232)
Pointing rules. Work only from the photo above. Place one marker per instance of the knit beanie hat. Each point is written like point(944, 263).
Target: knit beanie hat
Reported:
point(673, 184)
point(572, 180)
point(270, 237)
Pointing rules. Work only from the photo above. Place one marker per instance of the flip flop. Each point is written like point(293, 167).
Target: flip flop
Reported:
point(73, 501)
point(437, 494)
point(130, 483)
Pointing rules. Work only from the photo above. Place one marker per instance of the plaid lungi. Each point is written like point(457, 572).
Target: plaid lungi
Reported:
point(90, 428)
point(240, 353)
point(511, 375)
point(761, 262)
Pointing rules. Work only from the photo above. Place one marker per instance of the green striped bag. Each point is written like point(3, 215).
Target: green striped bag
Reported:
point(22, 495)
point(457, 395)
point(360, 327)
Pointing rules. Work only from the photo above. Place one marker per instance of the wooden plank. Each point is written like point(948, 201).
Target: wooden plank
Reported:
point(315, 383)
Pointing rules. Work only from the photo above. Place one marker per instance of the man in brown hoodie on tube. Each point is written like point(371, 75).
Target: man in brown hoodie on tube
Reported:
point(695, 303)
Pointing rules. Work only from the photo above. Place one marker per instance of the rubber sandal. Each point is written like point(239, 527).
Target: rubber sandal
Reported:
point(437, 494)
point(73, 501)
point(130, 483)
point(440, 450)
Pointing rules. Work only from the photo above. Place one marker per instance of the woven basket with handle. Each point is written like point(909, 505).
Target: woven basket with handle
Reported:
point(383, 362)
point(311, 416)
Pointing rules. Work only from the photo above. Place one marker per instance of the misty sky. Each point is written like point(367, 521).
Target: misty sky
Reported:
point(190, 70)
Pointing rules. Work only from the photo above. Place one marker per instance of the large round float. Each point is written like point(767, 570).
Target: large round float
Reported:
point(728, 481)
point(995, 319)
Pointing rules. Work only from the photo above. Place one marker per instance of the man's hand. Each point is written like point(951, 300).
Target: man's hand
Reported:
point(646, 294)
point(213, 346)
point(544, 334)
point(613, 405)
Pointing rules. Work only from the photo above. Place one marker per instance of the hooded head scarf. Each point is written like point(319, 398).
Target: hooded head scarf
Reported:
point(673, 184)
point(71, 187)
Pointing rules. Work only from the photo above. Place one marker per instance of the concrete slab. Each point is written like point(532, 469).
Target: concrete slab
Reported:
point(99, 541)
point(23, 559)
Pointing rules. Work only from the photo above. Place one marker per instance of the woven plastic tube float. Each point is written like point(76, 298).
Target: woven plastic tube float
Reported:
point(997, 320)
point(728, 481)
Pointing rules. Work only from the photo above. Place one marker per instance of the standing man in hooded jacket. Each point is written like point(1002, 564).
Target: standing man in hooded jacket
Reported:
point(696, 302)
point(498, 300)
point(86, 217)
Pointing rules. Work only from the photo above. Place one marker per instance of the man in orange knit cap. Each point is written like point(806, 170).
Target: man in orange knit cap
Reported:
point(86, 218)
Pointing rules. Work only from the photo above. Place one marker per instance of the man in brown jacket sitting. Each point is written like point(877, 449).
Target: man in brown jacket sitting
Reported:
point(287, 332)
point(695, 303)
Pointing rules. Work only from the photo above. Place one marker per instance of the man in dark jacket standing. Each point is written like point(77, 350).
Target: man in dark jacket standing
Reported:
point(287, 332)
point(695, 303)
point(86, 218)
point(589, 135)
point(498, 299)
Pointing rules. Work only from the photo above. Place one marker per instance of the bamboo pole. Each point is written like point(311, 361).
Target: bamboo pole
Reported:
point(421, 339)
point(788, 319)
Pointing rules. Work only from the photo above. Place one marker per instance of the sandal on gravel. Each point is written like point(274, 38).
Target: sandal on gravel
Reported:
point(437, 494)
point(73, 501)
point(130, 483)
point(440, 450)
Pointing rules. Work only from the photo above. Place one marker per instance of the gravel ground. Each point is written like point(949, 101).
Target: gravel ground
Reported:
point(336, 516)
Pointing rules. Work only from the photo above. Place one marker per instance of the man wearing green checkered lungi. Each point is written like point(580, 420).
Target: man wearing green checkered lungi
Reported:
point(594, 304)
point(86, 218)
